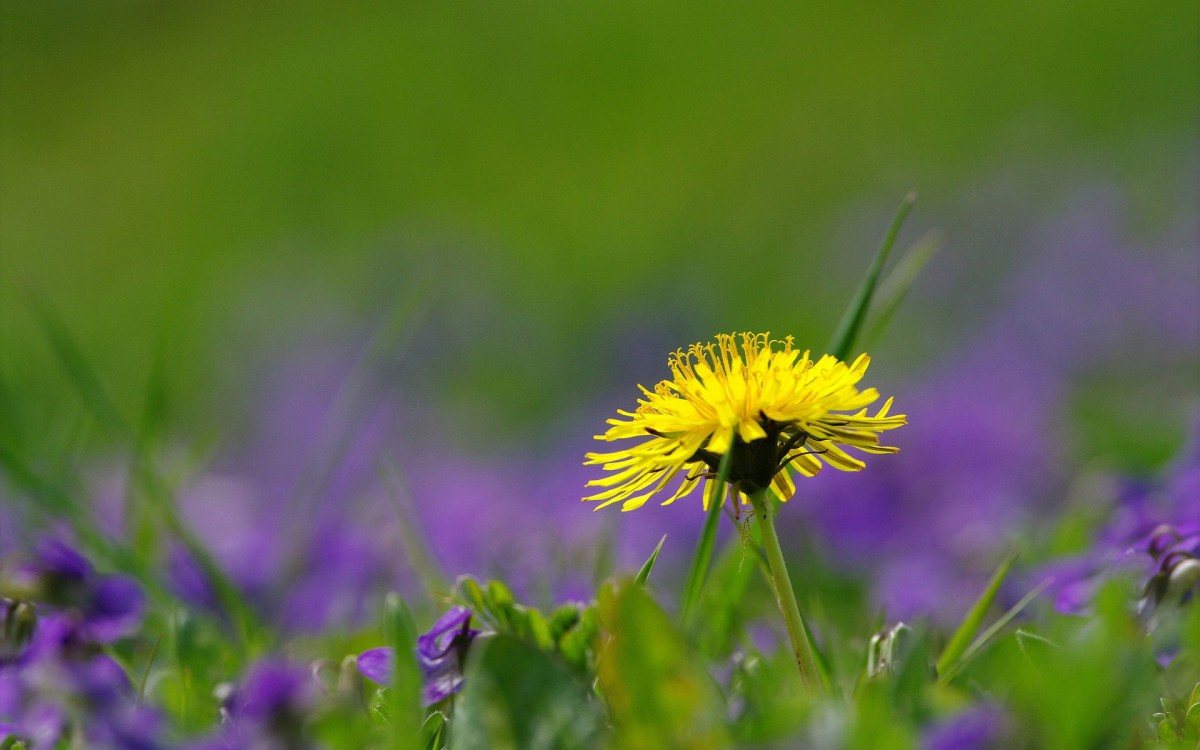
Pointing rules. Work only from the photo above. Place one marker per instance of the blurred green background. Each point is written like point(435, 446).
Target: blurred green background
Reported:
point(197, 182)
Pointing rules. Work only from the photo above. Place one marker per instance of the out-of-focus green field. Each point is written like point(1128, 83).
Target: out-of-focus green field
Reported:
point(185, 179)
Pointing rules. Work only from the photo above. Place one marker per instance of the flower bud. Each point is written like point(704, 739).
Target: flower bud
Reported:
point(885, 649)
point(20, 621)
point(1183, 577)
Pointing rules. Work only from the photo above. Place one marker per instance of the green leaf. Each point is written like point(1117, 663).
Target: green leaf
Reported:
point(656, 687)
point(693, 587)
point(499, 596)
point(433, 731)
point(563, 619)
point(842, 343)
point(644, 574)
point(518, 697)
point(963, 636)
point(534, 628)
point(471, 593)
point(403, 705)
point(578, 644)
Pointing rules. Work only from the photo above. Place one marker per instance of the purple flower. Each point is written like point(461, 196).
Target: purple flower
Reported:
point(268, 710)
point(977, 728)
point(189, 582)
point(1152, 536)
point(108, 607)
point(115, 608)
point(440, 653)
point(62, 684)
point(378, 664)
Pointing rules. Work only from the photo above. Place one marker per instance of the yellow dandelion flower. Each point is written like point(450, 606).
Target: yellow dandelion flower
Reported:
point(777, 407)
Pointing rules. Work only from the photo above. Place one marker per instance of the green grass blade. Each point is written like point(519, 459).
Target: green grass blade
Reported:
point(846, 334)
point(986, 636)
point(698, 571)
point(404, 695)
point(644, 574)
point(962, 637)
point(141, 686)
point(76, 367)
point(412, 537)
point(157, 497)
point(894, 288)
point(354, 400)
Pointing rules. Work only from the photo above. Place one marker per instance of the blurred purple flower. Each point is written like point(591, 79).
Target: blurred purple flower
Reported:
point(440, 653)
point(268, 710)
point(108, 607)
point(378, 664)
point(1152, 536)
point(55, 678)
point(978, 728)
point(187, 579)
point(62, 683)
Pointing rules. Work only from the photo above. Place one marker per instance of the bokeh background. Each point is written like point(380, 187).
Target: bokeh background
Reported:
point(306, 246)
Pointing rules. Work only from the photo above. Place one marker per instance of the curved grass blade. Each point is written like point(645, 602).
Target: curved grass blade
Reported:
point(894, 288)
point(986, 636)
point(701, 558)
point(354, 399)
point(158, 498)
point(846, 333)
point(75, 365)
point(141, 687)
point(644, 574)
point(412, 537)
point(961, 640)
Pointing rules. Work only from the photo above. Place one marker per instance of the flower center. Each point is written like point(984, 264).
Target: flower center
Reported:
point(756, 463)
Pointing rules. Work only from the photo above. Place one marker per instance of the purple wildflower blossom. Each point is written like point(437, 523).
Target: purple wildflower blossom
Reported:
point(1152, 536)
point(269, 709)
point(440, 653)
point(378, 664)
point(108, 607)
point(62, 680)
point(55, 679)
point(978, 728)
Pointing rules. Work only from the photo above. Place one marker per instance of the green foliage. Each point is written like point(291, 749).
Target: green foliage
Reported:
point(655, 687)
point(403, 699)
point(961, 640)
point(644, 574)
point(765, 697)
point(1179, 721)
point(519, 697)
point(1082, 683)
point(570, 630)
point(200, 660)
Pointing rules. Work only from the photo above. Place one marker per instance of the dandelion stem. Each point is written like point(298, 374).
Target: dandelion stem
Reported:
point(785, 596)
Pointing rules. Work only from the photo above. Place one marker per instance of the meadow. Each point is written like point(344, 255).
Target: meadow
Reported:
point(614, 376)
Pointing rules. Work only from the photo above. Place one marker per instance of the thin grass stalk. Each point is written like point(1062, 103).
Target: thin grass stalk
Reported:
point(785, 595)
